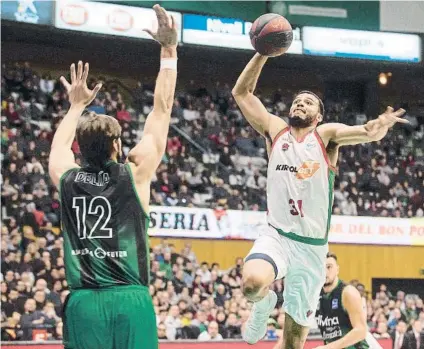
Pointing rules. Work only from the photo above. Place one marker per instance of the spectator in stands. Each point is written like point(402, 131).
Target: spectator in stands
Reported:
point(31, 319)
point(398, 335)
point(414, 339)
point(162, 331)
point(173, 321)
point(211, 334)
point(204, 273)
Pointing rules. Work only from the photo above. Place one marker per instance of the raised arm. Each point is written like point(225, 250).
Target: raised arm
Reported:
point(372, 131)
point(266, 124)
point(61, 156)
point(146, 156)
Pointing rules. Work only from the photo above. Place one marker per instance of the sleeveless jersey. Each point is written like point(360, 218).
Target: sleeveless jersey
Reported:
point(300, 188)
point(332, 319)
point(104, 228)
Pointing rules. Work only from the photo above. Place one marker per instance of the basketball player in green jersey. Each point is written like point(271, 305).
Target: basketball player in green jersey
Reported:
point(340, 315)
point(105, 209)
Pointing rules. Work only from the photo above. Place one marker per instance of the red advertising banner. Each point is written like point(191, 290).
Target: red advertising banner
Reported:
point(311, 344)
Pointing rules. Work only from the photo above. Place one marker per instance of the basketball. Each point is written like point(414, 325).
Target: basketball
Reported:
point(271, 35)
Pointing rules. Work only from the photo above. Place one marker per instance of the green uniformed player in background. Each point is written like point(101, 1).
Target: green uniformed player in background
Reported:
point(105, 208)
point(340, 314)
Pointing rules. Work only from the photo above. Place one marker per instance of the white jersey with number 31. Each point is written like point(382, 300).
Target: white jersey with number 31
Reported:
point(300, 188)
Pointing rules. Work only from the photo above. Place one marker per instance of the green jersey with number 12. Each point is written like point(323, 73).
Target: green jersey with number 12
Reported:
point(104, 228)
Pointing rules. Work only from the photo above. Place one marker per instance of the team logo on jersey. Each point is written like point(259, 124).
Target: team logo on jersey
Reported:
point(309, 313)
point(335, 304)
point(285, 146)
point(308, 169)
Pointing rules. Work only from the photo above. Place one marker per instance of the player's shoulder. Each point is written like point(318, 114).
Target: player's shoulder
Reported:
point(350, 293)
point(328, 130)
point(276, 126)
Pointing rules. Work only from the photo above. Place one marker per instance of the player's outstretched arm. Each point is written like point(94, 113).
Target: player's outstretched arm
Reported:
point(372, 131)
point(61, 156)
point(352, 302)
point(266, 124)
point(147, 154)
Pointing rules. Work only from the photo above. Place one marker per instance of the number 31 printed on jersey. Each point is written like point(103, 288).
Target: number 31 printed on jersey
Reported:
point(99, 207)
point(295, 211)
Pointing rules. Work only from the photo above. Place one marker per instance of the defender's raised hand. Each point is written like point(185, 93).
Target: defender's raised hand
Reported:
point(77, 90)
point(166, 34)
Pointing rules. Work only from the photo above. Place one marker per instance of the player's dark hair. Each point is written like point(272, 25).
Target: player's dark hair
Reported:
point(95, 135)
point(321, 104)
point(332, 255)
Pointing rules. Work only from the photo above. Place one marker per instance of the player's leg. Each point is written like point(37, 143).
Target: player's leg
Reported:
point(294, 334)
point(302, 287)
point(259, 271)
point(135, 320)
point(265, 262)
point(86, 324)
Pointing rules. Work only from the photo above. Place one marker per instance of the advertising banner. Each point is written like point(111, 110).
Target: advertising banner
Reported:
point(377, 231)
point(361, 44)
point(35, 12)
point(183, 222)
point(247, 225)
point(362, 15)
point(109, 19)
point(247, 10)
point(225, 32)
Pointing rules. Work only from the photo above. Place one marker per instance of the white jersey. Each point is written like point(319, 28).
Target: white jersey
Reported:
point(300, 188)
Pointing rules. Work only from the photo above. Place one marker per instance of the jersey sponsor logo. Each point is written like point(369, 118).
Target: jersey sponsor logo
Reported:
point(308, 169)
point(335, 303)
point(97, 179)
point(327, 321)
point(333, 334)
point(100, 253)
point(311, 145)
point(286, 168)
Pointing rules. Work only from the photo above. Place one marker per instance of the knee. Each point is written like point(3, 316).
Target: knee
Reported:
point(252, 286)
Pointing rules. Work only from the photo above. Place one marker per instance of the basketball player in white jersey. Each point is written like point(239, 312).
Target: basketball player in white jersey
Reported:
point(301, 171)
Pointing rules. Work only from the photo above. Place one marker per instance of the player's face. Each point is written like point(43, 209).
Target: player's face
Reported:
point(305, 111)
point(332, 271)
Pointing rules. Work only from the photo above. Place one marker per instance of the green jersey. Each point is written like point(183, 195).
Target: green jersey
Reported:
point(104, 228)
point(332, 319)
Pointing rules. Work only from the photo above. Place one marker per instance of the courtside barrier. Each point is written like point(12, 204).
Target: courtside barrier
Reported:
point(186, 344)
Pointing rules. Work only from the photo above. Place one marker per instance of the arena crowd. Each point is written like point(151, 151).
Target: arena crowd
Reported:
point(213, 159)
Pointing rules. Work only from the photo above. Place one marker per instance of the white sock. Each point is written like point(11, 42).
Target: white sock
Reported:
point(263, 304)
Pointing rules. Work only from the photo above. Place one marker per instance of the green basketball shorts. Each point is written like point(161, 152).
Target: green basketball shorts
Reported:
point(120, 317)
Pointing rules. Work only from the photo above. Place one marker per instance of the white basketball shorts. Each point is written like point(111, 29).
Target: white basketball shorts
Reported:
point(303, 267)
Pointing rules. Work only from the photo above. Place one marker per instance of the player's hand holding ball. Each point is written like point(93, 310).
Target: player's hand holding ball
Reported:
point(271, 35)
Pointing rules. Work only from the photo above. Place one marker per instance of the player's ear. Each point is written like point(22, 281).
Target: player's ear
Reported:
point(319, 117)
point(116, 145)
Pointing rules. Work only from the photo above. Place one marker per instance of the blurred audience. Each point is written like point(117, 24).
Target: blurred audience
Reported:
point(213, 159)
